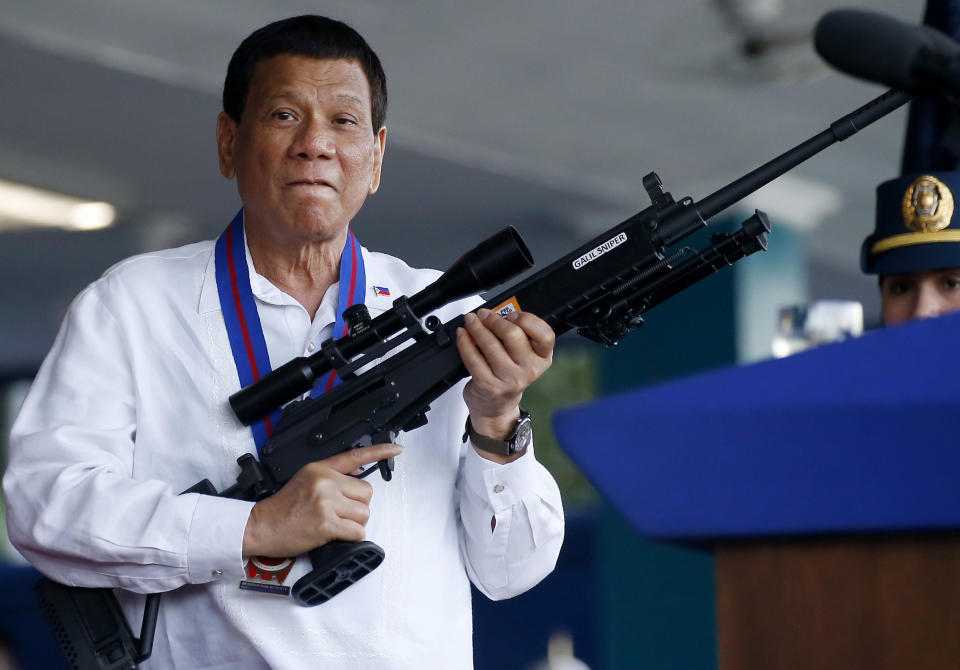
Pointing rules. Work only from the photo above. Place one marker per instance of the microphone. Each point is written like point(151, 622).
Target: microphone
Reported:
point(882, 49)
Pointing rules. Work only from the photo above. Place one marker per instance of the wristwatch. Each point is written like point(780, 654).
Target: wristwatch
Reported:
point(519, 438)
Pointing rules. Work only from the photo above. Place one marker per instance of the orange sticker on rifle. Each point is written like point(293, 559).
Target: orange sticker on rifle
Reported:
point(507, 307)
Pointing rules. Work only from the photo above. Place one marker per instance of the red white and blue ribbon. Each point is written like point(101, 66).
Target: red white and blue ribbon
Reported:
point(353, 287)
point(243, 321)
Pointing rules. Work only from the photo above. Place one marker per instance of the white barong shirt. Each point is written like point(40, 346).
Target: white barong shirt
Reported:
point(130, 408)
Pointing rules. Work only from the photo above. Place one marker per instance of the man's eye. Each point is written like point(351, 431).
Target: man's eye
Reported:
point(283, 116)
point(345, 120)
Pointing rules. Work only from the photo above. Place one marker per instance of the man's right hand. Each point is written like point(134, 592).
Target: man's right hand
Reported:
point(322, 502)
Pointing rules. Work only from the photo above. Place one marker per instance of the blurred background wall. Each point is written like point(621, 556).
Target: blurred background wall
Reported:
point(544, 115)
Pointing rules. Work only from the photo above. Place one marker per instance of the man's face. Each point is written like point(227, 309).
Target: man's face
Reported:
point(919, 295)
point(304, 152)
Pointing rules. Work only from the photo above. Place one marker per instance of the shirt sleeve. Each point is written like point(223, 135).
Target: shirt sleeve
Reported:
point(513, 524)
point(74, 507)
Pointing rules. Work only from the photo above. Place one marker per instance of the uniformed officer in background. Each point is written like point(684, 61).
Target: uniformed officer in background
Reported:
point(915, 247)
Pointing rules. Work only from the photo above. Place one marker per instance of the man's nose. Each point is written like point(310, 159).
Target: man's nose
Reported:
point(314, 140)
point(929, 303)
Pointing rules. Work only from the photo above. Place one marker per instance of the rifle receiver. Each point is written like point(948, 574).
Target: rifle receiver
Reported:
point(490, 263)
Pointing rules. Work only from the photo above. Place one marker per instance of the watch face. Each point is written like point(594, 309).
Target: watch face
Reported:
point(523, 436)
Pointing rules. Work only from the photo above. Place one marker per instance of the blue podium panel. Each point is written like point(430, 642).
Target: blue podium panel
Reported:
point(859, 436)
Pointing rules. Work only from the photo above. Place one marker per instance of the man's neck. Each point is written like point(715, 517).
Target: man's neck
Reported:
point(303, 270)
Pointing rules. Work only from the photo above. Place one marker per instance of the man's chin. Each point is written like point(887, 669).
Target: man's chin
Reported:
point(313, 225)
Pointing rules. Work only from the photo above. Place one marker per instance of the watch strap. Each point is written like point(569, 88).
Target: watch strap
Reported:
point(515, 442)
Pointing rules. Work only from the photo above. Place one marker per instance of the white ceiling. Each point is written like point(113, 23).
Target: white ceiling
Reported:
point(545, 114)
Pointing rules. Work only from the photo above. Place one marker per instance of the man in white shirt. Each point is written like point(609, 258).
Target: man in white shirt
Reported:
point(130, 407)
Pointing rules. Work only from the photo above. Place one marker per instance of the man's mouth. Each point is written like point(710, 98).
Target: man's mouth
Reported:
point(311, 183)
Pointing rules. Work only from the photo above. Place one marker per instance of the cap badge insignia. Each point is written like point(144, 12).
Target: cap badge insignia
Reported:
point(927, 205)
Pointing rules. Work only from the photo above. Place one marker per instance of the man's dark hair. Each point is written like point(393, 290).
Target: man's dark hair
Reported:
point(311, 36)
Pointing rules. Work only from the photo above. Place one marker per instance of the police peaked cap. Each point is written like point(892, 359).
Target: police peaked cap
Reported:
point(916, 228)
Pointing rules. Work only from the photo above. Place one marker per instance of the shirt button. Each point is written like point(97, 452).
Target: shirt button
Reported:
point(217, 573)
point(311, 346)
point(498, 488)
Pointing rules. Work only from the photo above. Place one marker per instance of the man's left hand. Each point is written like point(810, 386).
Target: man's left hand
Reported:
point(504, 355)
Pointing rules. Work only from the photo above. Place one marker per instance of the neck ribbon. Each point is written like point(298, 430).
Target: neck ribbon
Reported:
point(243, 321)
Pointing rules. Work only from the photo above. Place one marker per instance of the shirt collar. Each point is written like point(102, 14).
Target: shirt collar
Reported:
point(264, 290)
point(378, 276)
point(209, 298)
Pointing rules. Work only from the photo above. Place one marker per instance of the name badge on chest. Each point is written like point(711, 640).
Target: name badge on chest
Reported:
point(266, 575)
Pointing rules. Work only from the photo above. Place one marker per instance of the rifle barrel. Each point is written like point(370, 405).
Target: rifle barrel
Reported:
point(838, 131)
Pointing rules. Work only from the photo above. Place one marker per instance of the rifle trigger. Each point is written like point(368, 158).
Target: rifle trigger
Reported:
point(386, 465)
point(386, 468)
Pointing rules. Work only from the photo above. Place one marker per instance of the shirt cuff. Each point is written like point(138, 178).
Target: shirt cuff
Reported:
point(500, 485)
point(215, 540)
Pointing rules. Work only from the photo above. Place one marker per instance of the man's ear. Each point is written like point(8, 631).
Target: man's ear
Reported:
point(226, 138)
point(380, 145)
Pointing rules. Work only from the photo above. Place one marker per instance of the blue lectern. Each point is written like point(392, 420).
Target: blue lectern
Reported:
point(828, 483)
